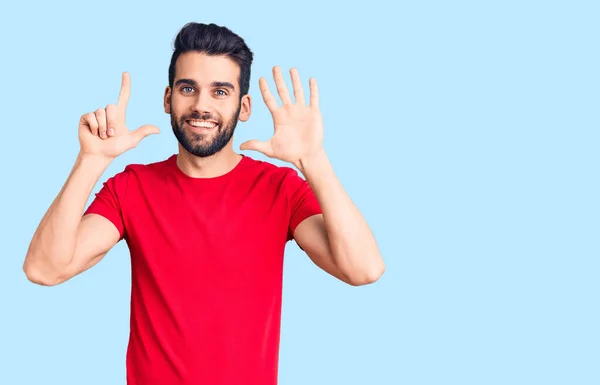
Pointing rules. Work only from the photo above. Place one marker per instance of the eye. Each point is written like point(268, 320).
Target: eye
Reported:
point(221, 92)
point(188, 88)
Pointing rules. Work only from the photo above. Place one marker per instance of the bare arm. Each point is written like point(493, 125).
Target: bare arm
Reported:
point(339, 241)
point(65, 244)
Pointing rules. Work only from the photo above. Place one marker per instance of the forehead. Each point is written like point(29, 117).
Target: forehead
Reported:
point(205, 69)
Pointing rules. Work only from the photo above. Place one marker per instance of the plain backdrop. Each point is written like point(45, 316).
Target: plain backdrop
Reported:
point(466, 132)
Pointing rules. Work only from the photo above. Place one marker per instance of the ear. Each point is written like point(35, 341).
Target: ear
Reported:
point(167, 102)
point(246, 108)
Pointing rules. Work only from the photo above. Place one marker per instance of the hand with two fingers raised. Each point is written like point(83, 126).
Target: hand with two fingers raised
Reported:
point(104, 132)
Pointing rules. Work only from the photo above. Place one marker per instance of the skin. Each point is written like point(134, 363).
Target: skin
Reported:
point(197, 89)
point(339, 241)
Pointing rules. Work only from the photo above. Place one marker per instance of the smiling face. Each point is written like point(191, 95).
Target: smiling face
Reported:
point(204, 102)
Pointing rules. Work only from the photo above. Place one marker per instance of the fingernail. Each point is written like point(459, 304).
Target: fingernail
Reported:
point(111, 131)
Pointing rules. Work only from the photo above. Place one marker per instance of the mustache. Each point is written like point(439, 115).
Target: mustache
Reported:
point(198, 116)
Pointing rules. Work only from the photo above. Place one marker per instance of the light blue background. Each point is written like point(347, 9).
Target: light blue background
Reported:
point(466, 132)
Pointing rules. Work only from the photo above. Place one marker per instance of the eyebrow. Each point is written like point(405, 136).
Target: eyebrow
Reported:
point(192, 82)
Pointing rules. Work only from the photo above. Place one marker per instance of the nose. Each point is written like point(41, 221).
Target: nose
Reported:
point(203, 102)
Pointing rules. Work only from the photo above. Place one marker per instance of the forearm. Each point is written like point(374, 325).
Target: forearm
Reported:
point(351, 241)
point(54, 241)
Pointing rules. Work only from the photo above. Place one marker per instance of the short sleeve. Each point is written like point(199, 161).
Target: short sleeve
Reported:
point(108, 202)
point(303, 202)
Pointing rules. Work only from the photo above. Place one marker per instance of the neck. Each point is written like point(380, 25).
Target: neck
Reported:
point(210, 167)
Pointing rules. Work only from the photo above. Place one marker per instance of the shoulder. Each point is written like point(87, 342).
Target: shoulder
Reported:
point(281, 175)
point(148, 170)
point(153, 168)
point(139, 172)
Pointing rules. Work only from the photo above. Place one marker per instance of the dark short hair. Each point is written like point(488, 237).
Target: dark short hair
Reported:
point(215, 40)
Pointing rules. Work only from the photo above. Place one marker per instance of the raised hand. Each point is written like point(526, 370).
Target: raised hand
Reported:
point(298, 127)
point(104, 131)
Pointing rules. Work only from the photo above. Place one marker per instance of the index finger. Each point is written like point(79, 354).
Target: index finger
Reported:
point(268, 98)
point(314, 92)
point(125, 89)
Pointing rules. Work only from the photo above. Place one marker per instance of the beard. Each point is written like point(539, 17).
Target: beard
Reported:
point(202, 145)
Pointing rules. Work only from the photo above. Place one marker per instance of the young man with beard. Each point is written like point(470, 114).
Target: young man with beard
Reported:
point(207, 227)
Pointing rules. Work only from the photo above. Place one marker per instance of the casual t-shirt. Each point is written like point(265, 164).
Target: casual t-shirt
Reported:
point(207, 268)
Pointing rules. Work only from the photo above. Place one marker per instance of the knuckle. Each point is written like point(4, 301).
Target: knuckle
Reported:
point(92, 120)
point(100, 112)
point(111, 111)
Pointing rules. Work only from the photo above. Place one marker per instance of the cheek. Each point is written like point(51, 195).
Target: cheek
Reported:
point(232, 111)
point(177, 110)
point(178, 104)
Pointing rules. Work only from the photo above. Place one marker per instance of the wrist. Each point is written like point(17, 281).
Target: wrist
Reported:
point(313, 161)
point(93, 160)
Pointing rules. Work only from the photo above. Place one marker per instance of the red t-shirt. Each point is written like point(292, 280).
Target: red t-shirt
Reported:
point(207, 268)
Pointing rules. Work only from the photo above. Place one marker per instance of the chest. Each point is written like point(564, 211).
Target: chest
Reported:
point(231, 229)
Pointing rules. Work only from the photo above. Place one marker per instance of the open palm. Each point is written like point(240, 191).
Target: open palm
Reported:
point(298, 127)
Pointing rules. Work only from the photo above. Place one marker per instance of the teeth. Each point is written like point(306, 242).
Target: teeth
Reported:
point(201, 124)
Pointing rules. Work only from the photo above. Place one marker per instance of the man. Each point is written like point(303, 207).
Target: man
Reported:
point(207, 227)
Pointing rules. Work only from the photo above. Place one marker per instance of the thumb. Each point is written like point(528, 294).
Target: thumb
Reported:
point(256, 145)
point(142, 132)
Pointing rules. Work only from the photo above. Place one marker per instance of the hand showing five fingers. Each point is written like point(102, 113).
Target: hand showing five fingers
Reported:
point(298, 127)
point(104, 131)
